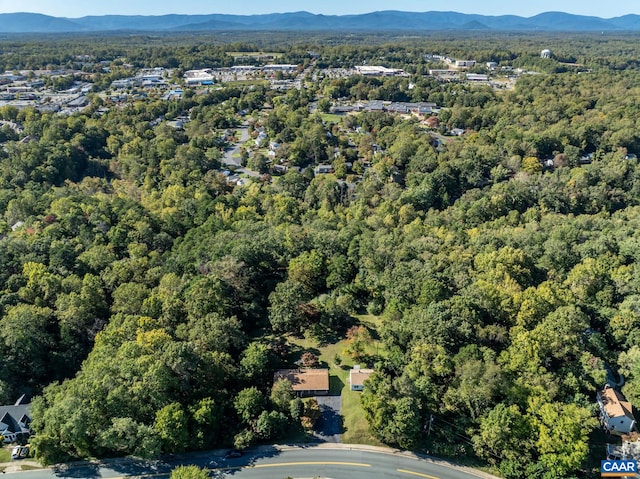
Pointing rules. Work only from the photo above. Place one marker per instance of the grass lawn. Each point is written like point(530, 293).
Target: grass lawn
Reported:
point(370, 321)
point(330, 118)
point(356, 429)
point(5, 454)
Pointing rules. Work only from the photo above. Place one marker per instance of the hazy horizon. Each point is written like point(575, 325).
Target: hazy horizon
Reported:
point(77, 9)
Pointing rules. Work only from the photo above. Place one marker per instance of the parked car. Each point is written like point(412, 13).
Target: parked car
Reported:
point(15, 452)
point(19, 452)
point(24, 452)
point(233, 453)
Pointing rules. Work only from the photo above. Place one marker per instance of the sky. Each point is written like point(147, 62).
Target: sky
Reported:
point(80, 8)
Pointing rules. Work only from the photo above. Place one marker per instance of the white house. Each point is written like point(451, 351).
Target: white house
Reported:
point(616, 413)
point(323, 169)
point(357, 376)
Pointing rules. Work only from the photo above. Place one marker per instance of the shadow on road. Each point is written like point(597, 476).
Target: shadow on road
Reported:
point(133, 467)
point(138, 467)
point(228, 467)
point(80, 471)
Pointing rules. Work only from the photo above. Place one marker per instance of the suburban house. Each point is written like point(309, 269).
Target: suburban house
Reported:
point(306, 382)
point(15, 420)
point(357, 377)
point(323, 169)
point(616, 413)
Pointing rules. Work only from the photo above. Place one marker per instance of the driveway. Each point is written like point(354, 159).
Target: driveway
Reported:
point(329, 426)
point(231, 156)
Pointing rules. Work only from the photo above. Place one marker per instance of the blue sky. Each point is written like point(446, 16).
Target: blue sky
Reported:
point(79, 8)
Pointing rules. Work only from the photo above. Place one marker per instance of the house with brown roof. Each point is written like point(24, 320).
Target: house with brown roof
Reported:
point(616, 413)
point(306, 382)
point(357, 376)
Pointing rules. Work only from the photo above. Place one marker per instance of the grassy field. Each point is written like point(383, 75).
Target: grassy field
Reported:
point(5, 454)
point(330, 118)
point(356, 429)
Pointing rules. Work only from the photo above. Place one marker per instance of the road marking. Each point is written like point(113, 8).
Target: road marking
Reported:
point(419, 474)
point(286, 464)
point(258, 466)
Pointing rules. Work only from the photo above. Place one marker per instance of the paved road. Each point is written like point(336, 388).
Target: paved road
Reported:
point(334, 461)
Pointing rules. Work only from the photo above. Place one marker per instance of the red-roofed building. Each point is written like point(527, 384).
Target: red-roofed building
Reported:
point(306, 382)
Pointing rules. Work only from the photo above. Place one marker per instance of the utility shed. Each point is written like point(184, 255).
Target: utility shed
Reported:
point(357, 377)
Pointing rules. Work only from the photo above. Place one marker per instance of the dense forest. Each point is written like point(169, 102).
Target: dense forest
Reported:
point(146, 302)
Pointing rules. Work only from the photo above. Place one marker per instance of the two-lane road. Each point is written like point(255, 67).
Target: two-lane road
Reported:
point(343, 462)
point(340, 464)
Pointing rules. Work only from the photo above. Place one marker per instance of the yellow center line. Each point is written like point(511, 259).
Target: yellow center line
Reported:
point(258, 466)
point(287, 464)
point(419, 474)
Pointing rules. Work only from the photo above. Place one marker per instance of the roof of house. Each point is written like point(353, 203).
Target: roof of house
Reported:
point(14, 414)
point(615, 404)
point(358, 375)
point(305, 379)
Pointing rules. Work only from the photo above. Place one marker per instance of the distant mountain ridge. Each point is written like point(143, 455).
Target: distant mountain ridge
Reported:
point(388, 20)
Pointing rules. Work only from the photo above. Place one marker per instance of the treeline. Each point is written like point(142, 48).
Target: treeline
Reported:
point(186, 51)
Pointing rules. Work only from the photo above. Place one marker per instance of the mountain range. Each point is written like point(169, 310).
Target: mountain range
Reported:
point(388, 20)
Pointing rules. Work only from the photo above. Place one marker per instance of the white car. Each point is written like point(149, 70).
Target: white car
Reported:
point(19, 452)
point(15, 452)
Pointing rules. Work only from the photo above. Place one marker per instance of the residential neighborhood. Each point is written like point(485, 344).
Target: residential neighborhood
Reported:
point(389, 251)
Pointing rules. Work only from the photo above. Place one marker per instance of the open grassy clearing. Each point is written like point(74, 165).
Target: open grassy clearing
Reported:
point(336, 357)
point(330, 118)
point(5, 454)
